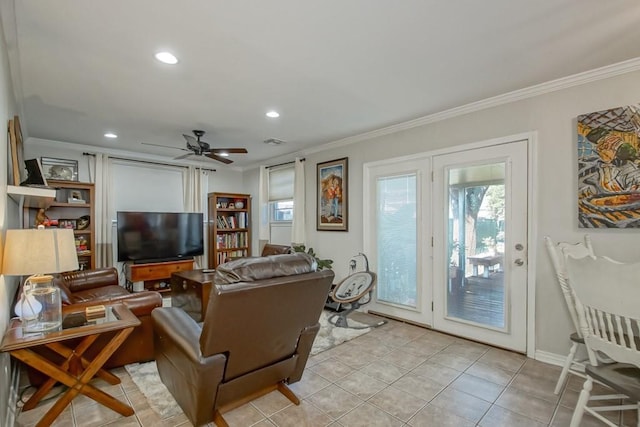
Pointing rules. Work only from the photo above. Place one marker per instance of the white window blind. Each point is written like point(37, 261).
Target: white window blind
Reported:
point(281, 184)
point(147, 187)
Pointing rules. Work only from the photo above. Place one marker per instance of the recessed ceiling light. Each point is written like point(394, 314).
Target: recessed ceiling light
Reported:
point(223, 154)
point(167, 58)
point(110, 135)
point(273, 114)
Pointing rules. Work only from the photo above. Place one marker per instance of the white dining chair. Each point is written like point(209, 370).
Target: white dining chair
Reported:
point(557, 254)
point(606, 295)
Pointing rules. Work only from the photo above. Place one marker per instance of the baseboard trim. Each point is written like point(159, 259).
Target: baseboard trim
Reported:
point(555, 359)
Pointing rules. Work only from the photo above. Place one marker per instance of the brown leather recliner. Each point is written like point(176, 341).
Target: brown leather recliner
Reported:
point(99, 287)
point(273, 249)
point(257, 333)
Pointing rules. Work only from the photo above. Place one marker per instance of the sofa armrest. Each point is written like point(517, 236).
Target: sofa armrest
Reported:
point(89, 279)
point(143, 303)
point(191, 378)
point(140, 304)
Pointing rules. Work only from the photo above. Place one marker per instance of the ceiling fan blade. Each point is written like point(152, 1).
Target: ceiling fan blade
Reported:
point(184, 156)
point(164, 146)
point(192, 143)
point(230, 150)
point(218, 158)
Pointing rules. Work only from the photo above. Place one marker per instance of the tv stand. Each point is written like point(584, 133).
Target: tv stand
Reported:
point(155, 275)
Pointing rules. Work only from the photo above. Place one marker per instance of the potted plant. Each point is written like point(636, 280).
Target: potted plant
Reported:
point(322, 263)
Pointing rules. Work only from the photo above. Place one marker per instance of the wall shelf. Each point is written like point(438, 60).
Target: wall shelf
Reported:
point(32, 197)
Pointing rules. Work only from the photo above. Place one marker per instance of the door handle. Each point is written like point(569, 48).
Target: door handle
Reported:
point(519, 262)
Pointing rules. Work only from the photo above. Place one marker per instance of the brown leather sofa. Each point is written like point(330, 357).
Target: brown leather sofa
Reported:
point(100, 286)
point(260, 324)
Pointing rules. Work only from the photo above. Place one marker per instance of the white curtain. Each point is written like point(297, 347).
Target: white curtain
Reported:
point(103, 215)
point(299, 206)
point(264, 233)
point(195, 189)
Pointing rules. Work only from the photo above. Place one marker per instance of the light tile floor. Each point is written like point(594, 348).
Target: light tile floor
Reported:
point(396, 375)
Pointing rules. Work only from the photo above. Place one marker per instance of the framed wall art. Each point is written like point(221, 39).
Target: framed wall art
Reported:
point(609, 168)
point(333, 199)
point(60, 169)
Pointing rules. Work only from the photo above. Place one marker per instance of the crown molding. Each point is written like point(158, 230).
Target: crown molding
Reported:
point(585, 77)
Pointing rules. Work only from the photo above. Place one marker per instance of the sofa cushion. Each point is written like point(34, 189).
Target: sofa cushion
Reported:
point(260, 268)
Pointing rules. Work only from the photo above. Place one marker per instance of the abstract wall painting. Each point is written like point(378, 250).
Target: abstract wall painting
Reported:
point(609, 168)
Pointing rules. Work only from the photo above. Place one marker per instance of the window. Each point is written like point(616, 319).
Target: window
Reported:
point(281, 194)
point(281, 211)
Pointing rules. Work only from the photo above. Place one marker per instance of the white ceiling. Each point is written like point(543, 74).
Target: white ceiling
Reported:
point(332, 68)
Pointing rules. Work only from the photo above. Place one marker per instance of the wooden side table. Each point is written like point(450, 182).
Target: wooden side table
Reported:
point(190, 291)
point(75, 371)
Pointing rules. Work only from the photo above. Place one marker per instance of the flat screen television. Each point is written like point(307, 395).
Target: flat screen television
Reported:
point(159, 236)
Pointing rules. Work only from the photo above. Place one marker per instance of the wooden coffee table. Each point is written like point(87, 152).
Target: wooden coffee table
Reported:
point(75, 371)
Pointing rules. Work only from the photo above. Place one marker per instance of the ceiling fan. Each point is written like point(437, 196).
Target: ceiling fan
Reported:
point(196, 147)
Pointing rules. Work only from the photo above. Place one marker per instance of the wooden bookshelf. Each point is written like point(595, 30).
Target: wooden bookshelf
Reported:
point(229, 231)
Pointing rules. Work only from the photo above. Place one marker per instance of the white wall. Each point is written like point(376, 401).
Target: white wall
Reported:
point(553, 116)
point(8, 219)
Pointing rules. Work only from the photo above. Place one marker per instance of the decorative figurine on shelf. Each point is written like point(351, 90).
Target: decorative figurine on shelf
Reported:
point(41, 218)
point(83, 222)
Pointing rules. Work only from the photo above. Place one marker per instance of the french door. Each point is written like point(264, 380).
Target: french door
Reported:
point(480, 244)
point(395, 238)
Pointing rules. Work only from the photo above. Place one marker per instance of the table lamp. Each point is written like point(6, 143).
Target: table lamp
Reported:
point(36, 252)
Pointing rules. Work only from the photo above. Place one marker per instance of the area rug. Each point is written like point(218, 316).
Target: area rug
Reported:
point(330, 336)
point(146, 377)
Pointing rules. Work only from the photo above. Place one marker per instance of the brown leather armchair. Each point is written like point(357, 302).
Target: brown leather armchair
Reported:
point(98, 287)
point(260, 324)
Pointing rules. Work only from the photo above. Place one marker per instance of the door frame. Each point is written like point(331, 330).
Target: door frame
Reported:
point(532, 198)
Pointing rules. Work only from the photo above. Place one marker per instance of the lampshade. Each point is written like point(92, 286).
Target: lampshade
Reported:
point(33, 251)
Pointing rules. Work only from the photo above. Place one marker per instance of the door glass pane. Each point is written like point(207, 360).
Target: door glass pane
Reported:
point(396, 240)
point(475, 285)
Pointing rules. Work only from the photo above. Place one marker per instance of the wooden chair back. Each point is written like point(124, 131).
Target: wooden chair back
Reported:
point(557, 254)
point(606, 294)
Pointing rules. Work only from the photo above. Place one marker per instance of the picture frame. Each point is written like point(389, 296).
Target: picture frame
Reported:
point(59, 169)
point(35, 175)
point(332, 195)
point(17, 150)
point(68, 223)
point(75, 196)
